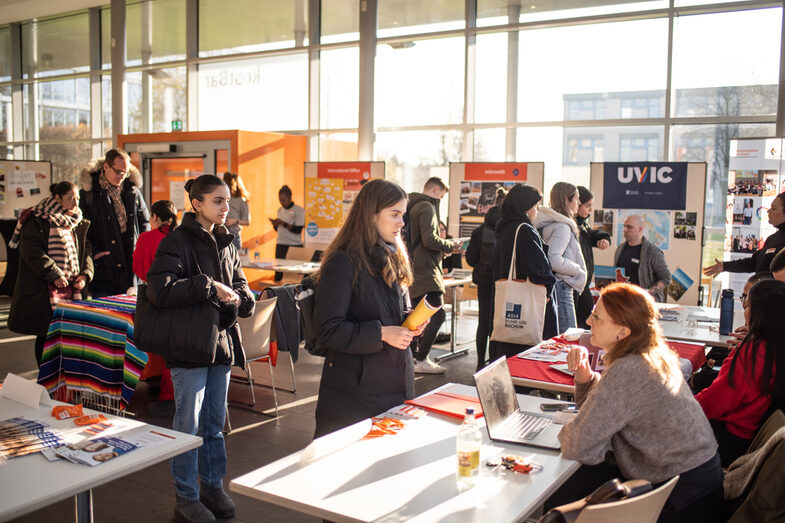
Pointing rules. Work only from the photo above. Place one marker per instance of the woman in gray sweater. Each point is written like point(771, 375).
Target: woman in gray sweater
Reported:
point(639, 419)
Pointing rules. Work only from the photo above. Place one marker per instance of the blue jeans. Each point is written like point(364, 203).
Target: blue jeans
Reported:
point(200, 401)
point(565, 307)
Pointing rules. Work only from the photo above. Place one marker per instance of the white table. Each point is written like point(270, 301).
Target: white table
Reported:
point(281, 265)
point(701, 333)
point(31, 482)
point(409, 476)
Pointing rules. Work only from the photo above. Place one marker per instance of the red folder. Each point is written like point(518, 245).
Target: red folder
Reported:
point(448, 403)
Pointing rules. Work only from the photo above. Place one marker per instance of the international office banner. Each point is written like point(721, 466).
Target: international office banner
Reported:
point(645, 185)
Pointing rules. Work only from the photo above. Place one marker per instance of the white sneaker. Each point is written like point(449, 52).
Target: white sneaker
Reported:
point(427, 367)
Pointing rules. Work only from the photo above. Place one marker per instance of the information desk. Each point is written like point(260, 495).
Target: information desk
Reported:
point(90, 350)
point(409, 476)
point(454, 282)
point(31, 482)
point(539, 374)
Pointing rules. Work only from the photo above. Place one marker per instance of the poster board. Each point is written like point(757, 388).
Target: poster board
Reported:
point(755, 177)
point(330, 189)
point(673, 194)
point(23, 184)
point(473, 189)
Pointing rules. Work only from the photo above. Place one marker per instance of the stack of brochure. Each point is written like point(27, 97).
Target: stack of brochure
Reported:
point(20, 437)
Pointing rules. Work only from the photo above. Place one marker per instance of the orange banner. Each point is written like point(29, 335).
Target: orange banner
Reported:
point(498, 172)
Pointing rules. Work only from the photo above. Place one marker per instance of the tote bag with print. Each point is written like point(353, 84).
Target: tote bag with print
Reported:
point(519, 308)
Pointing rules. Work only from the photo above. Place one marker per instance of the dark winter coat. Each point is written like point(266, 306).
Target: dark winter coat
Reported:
point(479, 253)
point(30, 308)
point(531, 262)
point(187, 262)
point(362, 376)
point(760, 259)
point(427, 247)
point(113, 272)
point(589, 238)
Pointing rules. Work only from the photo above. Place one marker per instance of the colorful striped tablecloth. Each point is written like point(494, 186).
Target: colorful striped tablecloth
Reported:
point(90, 349)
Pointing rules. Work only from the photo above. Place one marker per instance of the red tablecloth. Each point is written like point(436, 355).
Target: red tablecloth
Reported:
point(541, 371)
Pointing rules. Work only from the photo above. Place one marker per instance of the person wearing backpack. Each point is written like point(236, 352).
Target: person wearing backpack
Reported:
point(426, 249)
point(479, 255)
point(359, 304)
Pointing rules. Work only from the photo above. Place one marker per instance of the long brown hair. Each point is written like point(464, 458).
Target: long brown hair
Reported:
point(236, 186)
point(358, 236)
point(632, 307)
point(560, 193)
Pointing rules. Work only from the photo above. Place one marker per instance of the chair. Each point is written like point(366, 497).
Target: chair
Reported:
point(255, 332)
point(299, 253)
point(645, 508)
point(763, 500)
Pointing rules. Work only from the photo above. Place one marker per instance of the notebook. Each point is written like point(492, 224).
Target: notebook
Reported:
point(504, 419)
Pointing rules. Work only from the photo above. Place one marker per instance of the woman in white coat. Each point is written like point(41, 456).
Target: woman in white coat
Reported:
point(557, 227)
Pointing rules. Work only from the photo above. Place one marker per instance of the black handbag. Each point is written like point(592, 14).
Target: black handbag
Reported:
point(608, 492)
point(179, 333)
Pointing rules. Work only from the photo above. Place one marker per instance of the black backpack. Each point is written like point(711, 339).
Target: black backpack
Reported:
point(305, 300)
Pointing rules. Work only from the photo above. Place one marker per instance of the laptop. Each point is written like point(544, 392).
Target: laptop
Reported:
point(504, 419)
point(595, 356)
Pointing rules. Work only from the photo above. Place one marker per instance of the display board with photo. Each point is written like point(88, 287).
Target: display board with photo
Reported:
point(752, 183)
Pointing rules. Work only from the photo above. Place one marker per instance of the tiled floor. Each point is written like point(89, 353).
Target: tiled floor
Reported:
point(256, 439)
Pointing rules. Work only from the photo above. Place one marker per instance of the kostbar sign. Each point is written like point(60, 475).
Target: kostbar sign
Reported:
point(645, 185)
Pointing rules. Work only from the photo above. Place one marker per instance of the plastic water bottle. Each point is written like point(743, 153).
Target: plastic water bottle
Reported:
point(726, 312)
point(468, 445)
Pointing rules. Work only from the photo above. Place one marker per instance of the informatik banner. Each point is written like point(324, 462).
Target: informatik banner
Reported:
point(645, 185)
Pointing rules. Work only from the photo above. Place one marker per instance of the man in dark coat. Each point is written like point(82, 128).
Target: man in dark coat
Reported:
point(427, 251)
point(111, 200)
point(589, 238)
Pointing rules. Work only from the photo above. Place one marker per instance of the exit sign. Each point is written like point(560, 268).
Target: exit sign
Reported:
point(177, 125)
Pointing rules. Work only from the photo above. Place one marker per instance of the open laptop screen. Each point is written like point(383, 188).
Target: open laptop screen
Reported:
point(496, 392)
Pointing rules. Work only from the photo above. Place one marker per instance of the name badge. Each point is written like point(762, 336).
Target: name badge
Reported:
point(769, 251)
point(635, 260)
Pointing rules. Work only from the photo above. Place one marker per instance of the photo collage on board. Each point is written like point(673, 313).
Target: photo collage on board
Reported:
point(750, 194)
point(476, 199)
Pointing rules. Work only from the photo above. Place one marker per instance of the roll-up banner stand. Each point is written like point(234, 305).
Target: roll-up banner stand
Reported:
point(669, 197)
point(473, 189)
point(330, 189)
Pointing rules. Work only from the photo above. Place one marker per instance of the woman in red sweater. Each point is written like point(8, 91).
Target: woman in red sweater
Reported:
point(163, 220)
point(748, 385)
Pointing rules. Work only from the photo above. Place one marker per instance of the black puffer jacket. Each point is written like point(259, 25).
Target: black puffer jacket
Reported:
point(186, 263)
point(362, 376)
point(113, 272)
point(589, 238)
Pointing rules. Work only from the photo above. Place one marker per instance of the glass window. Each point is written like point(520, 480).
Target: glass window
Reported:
point(643, 105)
point(420, 83)
point(62, 114)
point(566, 64)
point(106, 104)
point(338, 147)
point(714, 75)
point(639, 148)
point(489, 145)
point(490, 79)
point(340, 21)
point(584, 149)
point(155, 31)
point(5, 54)
point(67, 159)
point(262, 94)
point(243, 26)
point(55, 46)
point(498, 12)
point(167, 87)
point(414, 156)
point(402, 17)
point(5, 114)
point(106, 38)
point(339, 88)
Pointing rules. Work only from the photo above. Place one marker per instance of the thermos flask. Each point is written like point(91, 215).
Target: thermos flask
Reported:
point(726, 312)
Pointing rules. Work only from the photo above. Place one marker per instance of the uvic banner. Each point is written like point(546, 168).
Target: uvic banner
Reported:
point(645, 185)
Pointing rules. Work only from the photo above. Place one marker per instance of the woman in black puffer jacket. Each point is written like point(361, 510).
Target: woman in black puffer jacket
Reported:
point(195, 268)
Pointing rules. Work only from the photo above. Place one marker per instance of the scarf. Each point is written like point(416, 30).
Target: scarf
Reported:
point(47, 209)
point(117, 201)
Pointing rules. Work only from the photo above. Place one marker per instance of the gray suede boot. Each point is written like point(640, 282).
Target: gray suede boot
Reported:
point(217, 501)
point(187, 511)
